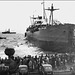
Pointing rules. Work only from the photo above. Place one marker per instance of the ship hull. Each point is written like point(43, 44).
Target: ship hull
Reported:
point(8, 32)
point(54, 38)
point(51, 45)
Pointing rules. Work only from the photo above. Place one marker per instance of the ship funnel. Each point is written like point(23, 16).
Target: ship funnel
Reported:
point(48, 7)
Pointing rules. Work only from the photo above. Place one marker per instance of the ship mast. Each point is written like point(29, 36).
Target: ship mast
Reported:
point(44, 14)
point(43, 9)
point(51, 15)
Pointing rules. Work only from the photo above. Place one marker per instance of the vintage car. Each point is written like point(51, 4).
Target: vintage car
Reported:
point(23, 70)
point(4, 69)
point(72, 69)
point(46, 69)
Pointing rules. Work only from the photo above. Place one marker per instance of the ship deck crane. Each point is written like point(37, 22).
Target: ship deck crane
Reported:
point(51, 15)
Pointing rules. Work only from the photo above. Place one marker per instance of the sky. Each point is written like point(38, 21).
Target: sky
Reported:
point(16, 14)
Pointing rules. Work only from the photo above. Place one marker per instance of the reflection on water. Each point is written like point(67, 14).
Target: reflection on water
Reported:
point(17, 41)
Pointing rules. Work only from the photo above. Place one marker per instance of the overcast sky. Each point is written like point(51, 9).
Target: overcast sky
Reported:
point(16, 14)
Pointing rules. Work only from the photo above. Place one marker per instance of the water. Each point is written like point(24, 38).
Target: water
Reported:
point(20, 44)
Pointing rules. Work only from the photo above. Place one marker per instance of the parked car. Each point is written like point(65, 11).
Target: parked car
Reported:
point(46, 69)
point(4, 69)
point(72, 69)
point(23, 70)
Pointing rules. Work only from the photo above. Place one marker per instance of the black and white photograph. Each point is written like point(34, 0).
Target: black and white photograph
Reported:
point(37, 37)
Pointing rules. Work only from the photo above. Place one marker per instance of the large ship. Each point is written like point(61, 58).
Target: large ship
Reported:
point(8, 32)
point(51, 36)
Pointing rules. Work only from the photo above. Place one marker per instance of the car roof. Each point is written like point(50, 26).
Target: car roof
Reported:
point(23, 66)
point(46, 65)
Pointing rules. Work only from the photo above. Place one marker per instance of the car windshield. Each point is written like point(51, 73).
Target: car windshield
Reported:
point(48, 68)
point(23, 68)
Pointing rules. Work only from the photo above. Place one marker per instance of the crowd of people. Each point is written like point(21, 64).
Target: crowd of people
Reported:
point(58, 61)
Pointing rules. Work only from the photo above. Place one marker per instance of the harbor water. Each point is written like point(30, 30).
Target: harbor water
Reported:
point(20, 44)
